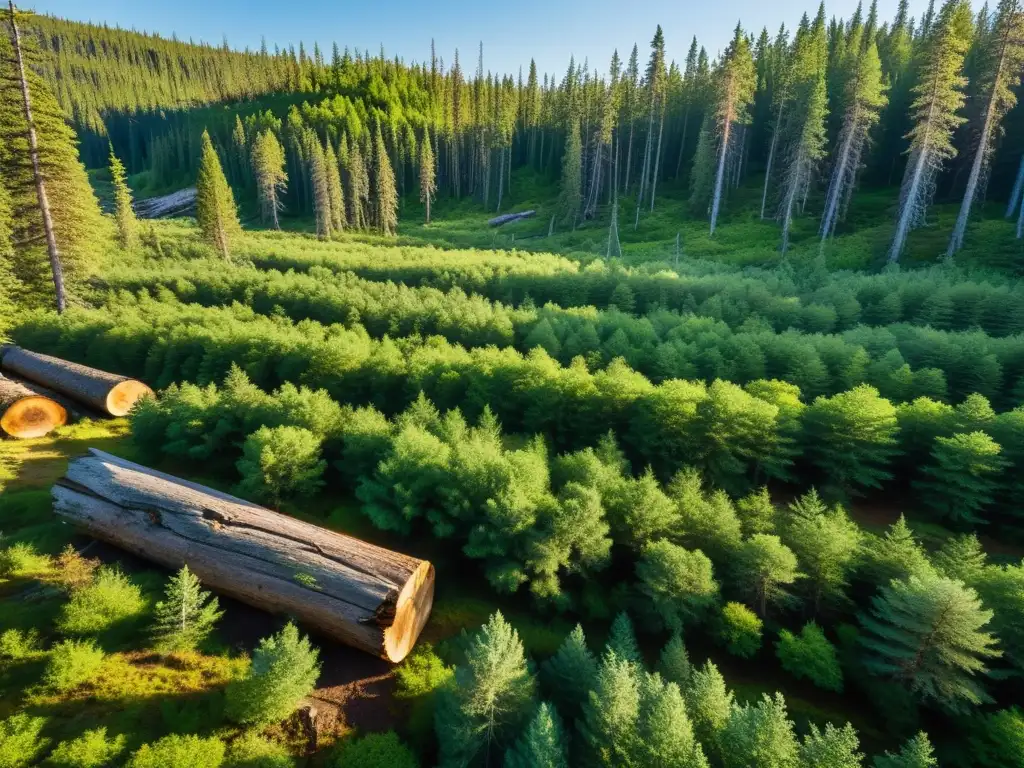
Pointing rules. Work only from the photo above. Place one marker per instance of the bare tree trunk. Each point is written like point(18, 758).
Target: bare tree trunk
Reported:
point(716, 200)
point(909, 203)
point(682, 142)
point(629, 158)
point(657, 159)
point(836, 186)
point(501, 177)
point(791, 193)
point(44, 205)
point(1018, 184)
point(771, 157)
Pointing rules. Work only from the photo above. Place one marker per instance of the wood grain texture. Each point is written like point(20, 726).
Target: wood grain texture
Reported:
point(27, 414)
point(363, 595)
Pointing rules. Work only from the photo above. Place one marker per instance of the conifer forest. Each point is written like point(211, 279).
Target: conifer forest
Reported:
point(690, 392)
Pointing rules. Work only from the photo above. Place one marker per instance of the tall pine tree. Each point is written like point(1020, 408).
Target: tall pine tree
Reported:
point(215, 203)
point(124, 215)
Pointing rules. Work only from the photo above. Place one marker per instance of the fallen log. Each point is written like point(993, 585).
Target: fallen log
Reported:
point(505, 218)
point(76, 410)
point(363, 595)
point(26, 414)
point(178, 203)
point(105, 392)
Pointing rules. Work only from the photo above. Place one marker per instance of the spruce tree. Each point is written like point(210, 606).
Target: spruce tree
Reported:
point(764, 568)
point(831, 748)
point(124, 215)
point(962, 478)
point(709, 704)
point(543, 743)
point(570, 197)
point(735, 82)
point(916, 753)
point(570, 674)
point(284, 670)
point(1003, 53)
point(938, 97)
point(674, 662)
point(268, 168)
point(359, 183)
point(895, 555)
point(609, 722)
point(622, 640)
point(805, 129)
point(336, 193)
point(215, 203)
point(186, 616)
point(927, 633)
point(664, 731)
point(490, 697)
point(428, 175)
point(385, 195)
point(322, 209)
point(760, 736)
point(961, 558)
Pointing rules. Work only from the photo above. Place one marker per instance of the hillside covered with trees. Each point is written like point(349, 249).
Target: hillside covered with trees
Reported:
point(718, 456)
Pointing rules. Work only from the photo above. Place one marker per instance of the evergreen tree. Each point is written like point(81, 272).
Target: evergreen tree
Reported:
point(760, 736)
point(1003, 53)
point(359, 182)
point(961, 481)
point(428, 175)
point(9, 288)
point(609, 722)
point(709, 704)
point(215, 203)
point(831, 748)
point(961, 558)
point(735, 82)
point(490, 697)
point(622, 640)
point(322, 209)
point(679, 583)
point(186, 615)
point(664, 731)
point(124, 215)
point(916, 753)
point(284, 669)
point(805, 128)
point(938, 96)
point(570, 674)
point(927, 634)
point(810, 655)
point(570, 198)
point(268, 168)
point(542, 744)
point(674, 662)
point(895, 555)
point(385, 194)
point(335, 192)
point(764, 568)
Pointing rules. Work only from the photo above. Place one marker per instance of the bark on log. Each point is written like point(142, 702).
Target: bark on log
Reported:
point(497, 221)
point(25, 414)
point(105, 392)
point(363, 595)
point(76, 410)
point(180, 203)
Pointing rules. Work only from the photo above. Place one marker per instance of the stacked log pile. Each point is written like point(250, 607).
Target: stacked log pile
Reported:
point(104, 392)
point(363, 595)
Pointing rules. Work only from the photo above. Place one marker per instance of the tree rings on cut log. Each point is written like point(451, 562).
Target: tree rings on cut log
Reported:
point(105, 392)
point(365, 596)
point(25, 414)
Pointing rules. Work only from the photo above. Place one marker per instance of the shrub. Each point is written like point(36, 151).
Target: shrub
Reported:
point(110, 597)
point(179, 751)
point(72, 663)
point(810, 655)
point(740, 630)
point(421, 673)
point(250, 750)
point(284, 669)
point(72, 571)
point(21, 559)
point(281, 462)
point(375, 750)
point(15, 644)
point(186, 616)
point(90, 750)
point(20, 742)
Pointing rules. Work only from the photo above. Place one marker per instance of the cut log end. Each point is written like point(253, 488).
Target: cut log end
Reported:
point(412, 609)
point(123, 397)
point(33, 416)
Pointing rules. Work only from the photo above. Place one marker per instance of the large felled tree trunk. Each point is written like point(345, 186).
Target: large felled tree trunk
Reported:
point(102, 391)
point(26, 414)
point(363, 595)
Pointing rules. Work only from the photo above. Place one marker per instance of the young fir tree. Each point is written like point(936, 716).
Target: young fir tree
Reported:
point(609, 722)
point(938, 97)
point(927, 633)
point(622, 640)
point(490, 698)
point(570, 198)
point(805, 129)
point(764, 568)
point(863, 100)
point(733, 91)
point(268, 168)
point(569, 675)
point(1003, 59)
point(543, 743)
point(895, 555)
point(428, 175)
point(709, 704)
point(186, 616)
point(359, 187)
point(124, 215)
point(963, 477)
point(215, 203)
point(961, 558)
point(760, 736)
point(674, 662)
point(284, 669)
point(664, 730)
point(58, 200)
point(831, 748)
point(335, 192)
point(916, 753)
point(385, 193)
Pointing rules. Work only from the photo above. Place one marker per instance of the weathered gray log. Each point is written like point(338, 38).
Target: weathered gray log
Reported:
point(26, 414)
point(505, 218)
point(363, 595)
point(105, 392)
point(180, 203)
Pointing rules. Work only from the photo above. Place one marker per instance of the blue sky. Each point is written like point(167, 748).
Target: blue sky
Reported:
point(512, 32)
